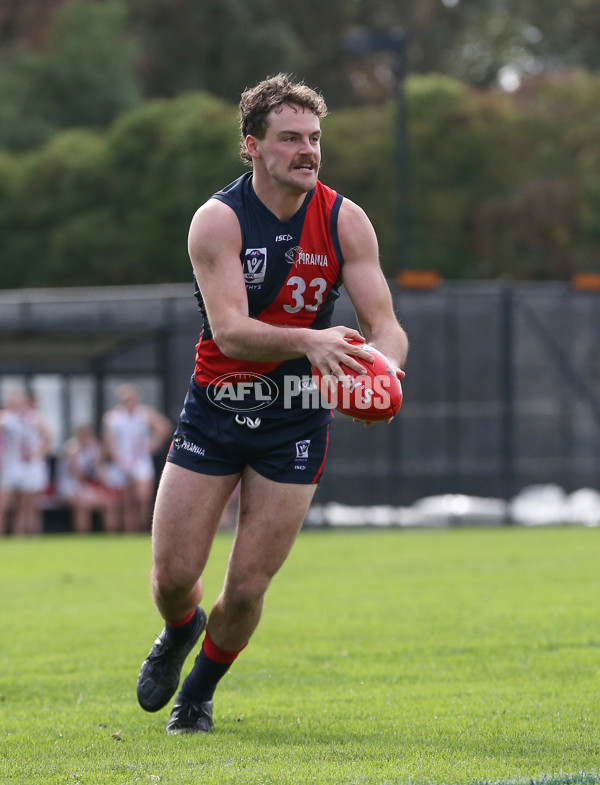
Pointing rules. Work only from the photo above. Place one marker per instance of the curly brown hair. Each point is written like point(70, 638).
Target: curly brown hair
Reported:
point(272, 93)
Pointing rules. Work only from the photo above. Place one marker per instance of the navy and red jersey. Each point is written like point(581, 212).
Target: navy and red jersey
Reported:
point(292, 273)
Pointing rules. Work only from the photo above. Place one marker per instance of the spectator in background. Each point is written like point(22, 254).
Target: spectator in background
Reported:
point(25, 443)
point(133, 433)
point(79, 482)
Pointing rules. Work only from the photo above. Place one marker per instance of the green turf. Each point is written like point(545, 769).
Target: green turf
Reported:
point(383, 658)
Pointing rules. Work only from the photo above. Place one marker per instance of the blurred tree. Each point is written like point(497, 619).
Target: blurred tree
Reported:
point(90, 63)
point(168, 157)
point(83, 76)
point(522, 38)
point(217, 45)
point(61, 183)
point(26, 111)
point(482, 42)
point(538, 218)
point(26, 22)
point(224, 45)
point(500, 184)
point(11, 266)
point(221, 46)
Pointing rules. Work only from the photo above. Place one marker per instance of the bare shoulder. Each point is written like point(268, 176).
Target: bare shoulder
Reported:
point(213, 210)
point(215, 227)
point(356, 232)
point(352, 216)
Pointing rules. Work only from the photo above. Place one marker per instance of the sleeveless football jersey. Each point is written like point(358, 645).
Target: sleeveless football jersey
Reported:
point(292, 274)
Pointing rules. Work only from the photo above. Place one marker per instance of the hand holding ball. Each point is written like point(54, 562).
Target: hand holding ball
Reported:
point(371, 397)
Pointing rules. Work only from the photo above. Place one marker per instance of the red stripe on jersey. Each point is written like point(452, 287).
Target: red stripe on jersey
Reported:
point(212, 363)
point(315, 270)
point(320, 470)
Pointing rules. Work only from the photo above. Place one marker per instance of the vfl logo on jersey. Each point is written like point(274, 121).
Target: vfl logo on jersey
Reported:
point(302, 449)
point(255, 265)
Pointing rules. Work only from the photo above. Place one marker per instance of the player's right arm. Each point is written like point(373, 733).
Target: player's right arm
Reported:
point(108, 438)
point(214, 246)
point(45, 443)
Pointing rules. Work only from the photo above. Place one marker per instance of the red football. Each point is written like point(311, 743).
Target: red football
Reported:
point(373, 396)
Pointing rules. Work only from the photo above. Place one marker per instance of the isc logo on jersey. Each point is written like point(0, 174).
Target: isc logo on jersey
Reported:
point(255, 265)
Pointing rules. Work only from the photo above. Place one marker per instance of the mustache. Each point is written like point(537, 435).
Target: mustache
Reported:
point(307, 161)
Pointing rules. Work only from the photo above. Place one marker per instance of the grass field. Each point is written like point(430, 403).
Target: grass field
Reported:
point(383, 658)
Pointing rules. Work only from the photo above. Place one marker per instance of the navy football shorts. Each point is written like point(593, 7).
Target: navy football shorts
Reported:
point(282, 445)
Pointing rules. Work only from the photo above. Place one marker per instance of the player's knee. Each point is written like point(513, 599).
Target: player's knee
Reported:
point(169, 582)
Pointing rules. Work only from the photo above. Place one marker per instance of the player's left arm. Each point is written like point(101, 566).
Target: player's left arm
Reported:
point(108, 438)
point(45, 444)
point(366, 285)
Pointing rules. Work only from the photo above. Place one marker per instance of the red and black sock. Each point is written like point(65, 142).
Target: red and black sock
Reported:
point(180, 630)
point(211, 665)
